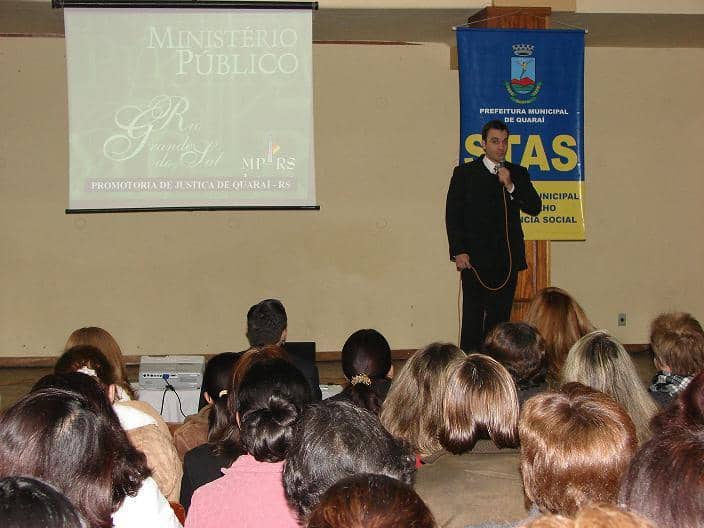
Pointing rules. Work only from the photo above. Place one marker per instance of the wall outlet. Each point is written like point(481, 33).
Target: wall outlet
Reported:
point(622, 319)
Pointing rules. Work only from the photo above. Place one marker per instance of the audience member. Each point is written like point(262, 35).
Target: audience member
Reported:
point(205, 463)
point(334, 440)
point(561, 321)
point(412, 410)
point(59, 436)
point(599, 361)
point(480, 423)
point(665, 481)
point(142, 429)
point(370, 501)
point(267, 324)
point(677, 342)
point(366, 363)
point(270, 399)
point(216, 382)
point(576, 445)
point(521, 349)
point(600, 516)
point(29, 503)
point(106, 343)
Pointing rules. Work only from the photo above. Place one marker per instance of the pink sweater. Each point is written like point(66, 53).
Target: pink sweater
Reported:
point(249, 495)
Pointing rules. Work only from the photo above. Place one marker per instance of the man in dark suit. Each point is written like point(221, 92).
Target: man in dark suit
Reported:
point(484, 231)
point(267, 324)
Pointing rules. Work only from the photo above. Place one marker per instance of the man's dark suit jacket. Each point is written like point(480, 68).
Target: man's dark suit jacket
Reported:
point(475, 218)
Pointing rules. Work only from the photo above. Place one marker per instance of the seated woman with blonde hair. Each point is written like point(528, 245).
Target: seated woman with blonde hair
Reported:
point(479, 425)
point(412, 410)
point(599, 361)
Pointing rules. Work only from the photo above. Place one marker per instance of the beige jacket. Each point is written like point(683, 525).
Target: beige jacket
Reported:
point(193, 432)
point(147, 435)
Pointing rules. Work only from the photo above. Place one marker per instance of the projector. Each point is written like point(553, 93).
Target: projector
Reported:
point(182, 372)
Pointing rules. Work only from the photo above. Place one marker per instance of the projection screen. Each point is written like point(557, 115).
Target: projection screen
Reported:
point(189, 108)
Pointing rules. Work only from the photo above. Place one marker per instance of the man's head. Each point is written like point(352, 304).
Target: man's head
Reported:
point(266, 323)
point(495, 140)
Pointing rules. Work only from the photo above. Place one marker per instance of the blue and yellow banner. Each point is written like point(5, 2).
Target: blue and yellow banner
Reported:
point(533, 80)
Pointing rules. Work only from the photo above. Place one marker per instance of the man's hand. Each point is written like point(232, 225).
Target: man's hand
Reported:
point(462, 261)
point(505, 178)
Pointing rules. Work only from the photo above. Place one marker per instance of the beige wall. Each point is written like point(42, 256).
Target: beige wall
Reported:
point(375, 255)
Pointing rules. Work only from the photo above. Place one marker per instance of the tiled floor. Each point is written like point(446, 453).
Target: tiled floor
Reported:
point(16, 382)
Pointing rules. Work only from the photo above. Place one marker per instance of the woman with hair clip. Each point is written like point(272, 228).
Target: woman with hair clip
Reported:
point(561, 321)
point(412, 410)
point(200, 463)
point(143, 431)
point(61, 437)
point(366, 363)
point(479, 425)
point(102, 340)
point(269, 400)
point(598, 361)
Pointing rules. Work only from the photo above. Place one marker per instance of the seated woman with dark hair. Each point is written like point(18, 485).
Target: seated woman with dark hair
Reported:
point(520, 348)
point(62, 438)
point(599, 361)
point(412, 410)
point(334, 440)
point(368, 500)
point(217, 377)
point(366, 363)
point(665, 481)
point(269, 401)
point(205, 463)
point(576, 445)
point(479, 423)
point(142, 429)
point(30, 503)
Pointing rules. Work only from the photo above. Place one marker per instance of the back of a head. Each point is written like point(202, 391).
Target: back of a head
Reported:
point(88, 360)
point(366, 361)
point(270, 399)
point(561, 321)
point(520, 348)
point(371, 501)
point(599, 361)
point(223, 432)
point(29, 503)
point(412, 410)
point(106, 343)
point(480, 402)
point(218, 373)
point(677, 341)
point(334, 440)
point(58, 436)
point(266, 322)
point(665, 481)
point(87, 386)
point(576, 445)
point(599, 516)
